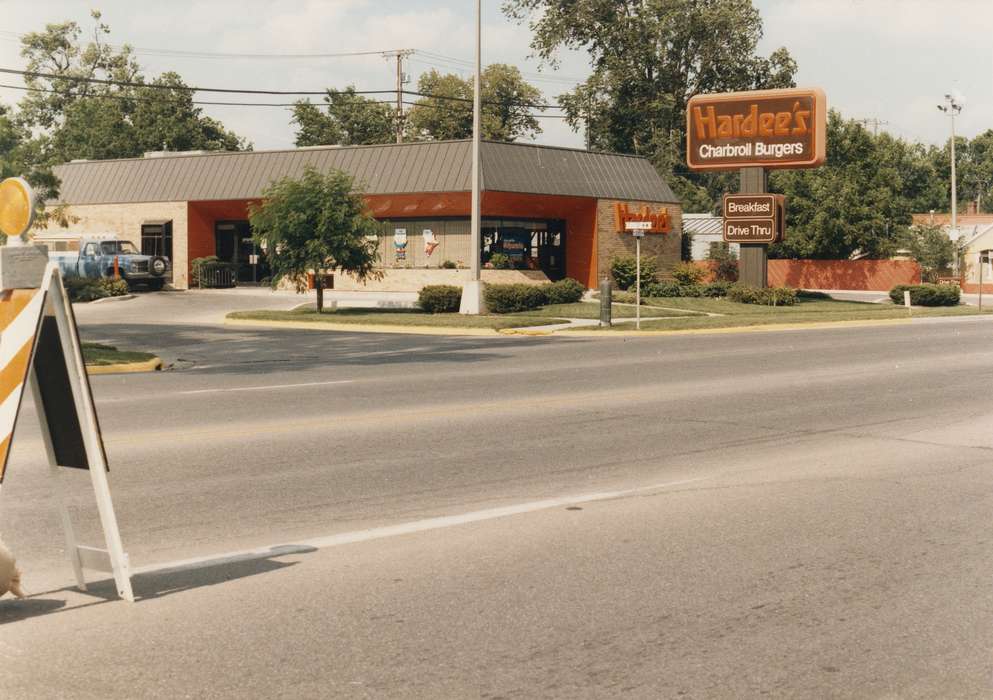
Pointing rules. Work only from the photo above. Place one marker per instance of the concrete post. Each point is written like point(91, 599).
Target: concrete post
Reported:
point(606, 298)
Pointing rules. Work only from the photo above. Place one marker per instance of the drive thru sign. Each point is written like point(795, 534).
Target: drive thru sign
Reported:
point(637, 229)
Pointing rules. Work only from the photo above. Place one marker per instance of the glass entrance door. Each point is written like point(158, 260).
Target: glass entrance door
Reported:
point(234, 244)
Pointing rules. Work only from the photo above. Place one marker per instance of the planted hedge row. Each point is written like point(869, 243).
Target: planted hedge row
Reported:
point(510, 298)
point(502, 298)
point(927, 294)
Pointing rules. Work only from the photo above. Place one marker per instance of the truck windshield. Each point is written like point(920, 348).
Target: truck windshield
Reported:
point(118, 248)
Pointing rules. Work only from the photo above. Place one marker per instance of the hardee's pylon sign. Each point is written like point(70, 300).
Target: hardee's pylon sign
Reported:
point(762, 128)
point(40, 350)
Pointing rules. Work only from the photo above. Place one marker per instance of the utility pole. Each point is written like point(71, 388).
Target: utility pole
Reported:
point(953, 106)
point(875, 122)
point(399, 55)
point(472, 302)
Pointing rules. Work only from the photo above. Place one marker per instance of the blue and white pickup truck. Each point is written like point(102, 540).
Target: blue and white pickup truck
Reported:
point(96, 257)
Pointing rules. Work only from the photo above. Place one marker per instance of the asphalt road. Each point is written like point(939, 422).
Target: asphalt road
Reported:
point(784, 514)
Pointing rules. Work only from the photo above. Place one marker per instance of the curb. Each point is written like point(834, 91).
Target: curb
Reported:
point(766, 328)
point(153, 365)
point(123, 297)
point(361, 327)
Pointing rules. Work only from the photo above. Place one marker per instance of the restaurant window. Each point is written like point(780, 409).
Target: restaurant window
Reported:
point(156, 238)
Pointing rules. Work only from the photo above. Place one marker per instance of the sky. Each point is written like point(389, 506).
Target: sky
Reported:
point(889, 60)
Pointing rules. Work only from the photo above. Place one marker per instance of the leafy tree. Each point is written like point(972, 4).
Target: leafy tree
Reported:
point(931, 247)
point(314, 224)
point(99, 120)
point(19, 157)
point(648, 58)
point(508, 104)
point(860, 201)
point(349, 120)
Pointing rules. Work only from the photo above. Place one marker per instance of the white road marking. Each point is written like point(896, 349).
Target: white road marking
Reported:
point(261, 388)
point(377, 533)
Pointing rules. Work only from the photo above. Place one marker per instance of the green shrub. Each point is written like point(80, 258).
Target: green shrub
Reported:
point(662, 289)
point(83, 289)
point(688, 274)
point(113, 288)
point(716, 289)
point(499, 261)
point(691, 290)
point(927, 294)
point(508, 298)
point(765, 296)
point(449, 265)
point(440, 298)
point(565, 291)
point(624, 268)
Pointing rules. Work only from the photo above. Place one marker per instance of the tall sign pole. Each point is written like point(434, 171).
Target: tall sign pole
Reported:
point(754, 259)
point(472, 291)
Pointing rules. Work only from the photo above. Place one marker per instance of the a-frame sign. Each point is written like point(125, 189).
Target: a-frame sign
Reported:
point(39, 346)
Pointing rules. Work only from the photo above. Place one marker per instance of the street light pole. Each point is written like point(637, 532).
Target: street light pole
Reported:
point(472, 291)
point(953, 106)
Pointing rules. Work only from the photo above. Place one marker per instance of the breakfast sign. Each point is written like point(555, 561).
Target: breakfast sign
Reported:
point(762, 128)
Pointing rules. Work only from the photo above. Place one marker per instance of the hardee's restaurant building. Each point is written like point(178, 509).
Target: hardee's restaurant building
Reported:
point(548, 213)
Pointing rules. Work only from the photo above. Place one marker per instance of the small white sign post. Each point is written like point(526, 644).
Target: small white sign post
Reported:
point(637, 229)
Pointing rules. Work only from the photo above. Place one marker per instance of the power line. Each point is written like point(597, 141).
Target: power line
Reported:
point(192, 88)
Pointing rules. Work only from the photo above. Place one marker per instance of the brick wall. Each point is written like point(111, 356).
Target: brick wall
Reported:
point(869, 275)
point(124, 221)
point(664, 247)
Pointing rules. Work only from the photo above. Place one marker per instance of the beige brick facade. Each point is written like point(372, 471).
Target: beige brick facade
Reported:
point(664, 247)
point(400, 280)
point(124, 221)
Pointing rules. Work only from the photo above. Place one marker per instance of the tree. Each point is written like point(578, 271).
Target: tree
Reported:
point(314, 224)
point(648, 58)
point(508, 105)
point(859, 201)
point(19, 157)
point(931, 247)
point(350, 120)
point(120, 119)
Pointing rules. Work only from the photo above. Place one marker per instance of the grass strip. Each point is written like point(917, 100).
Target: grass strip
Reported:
point(394, 317)
point(95, 354)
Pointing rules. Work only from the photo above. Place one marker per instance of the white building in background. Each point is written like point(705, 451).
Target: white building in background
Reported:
point(707, 231)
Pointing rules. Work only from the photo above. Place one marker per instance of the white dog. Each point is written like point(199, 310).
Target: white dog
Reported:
point(10, 575)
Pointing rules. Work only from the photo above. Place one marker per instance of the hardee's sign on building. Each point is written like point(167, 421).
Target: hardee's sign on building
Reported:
point(658, 219)
point(762, 128)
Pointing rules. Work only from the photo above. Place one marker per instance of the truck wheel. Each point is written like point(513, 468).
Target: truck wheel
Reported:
point(158, 266)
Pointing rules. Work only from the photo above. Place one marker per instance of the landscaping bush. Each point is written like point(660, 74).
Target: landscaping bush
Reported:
point(927, 294)
point(716, 289)
point(499, 261)
point(83, 289)
point(661, 289)
point(449, 265)
point(623, 269)
point(440, 298)
point(765, 296)
point(508, 298)
point(691, 290)
point(807, 294)
point(565, 291)
point(688, 274)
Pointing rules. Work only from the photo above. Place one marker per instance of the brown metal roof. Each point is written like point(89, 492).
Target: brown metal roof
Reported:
point(430, 166)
